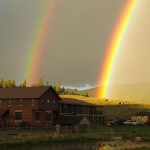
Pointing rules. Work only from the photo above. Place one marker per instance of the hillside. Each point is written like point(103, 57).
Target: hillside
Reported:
point(113, 109)
point(132, 92)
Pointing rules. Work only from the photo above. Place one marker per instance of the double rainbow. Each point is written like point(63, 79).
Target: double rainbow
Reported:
point(114, 47)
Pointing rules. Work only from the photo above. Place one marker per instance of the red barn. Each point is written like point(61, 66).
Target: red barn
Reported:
point(35, 106)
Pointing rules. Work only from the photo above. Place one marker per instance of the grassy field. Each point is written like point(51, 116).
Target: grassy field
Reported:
point(96, 134)
point(126, 132)
point(142, 148)
point(123, 109)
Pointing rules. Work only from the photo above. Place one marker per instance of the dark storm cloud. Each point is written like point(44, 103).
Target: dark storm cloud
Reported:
point(76, 42)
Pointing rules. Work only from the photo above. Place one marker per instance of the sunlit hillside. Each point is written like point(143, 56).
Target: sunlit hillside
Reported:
point(131, 92)
point(98, 101)
point(113, 109)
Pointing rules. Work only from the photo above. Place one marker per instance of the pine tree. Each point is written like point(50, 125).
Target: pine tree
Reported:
point(24, 84)
point(68, 91)
point(54, 87)
point(74, 92)
point(13, 83)
point(40, 82)
point(58, 87)
point(63, 90)
point(86, 94)
point(1, 82)
point(4, 84)
point(33, 85)
point(8, 83)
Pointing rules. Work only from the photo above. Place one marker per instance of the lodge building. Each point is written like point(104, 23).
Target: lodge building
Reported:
point(74, 107)
point(36, 106)
point(42, 106)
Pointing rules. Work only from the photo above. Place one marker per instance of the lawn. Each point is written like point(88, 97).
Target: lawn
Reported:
point(126, 132)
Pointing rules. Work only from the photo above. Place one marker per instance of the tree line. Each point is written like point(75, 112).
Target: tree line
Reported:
point(63, 91)
point(58, 89)
point(12, 83)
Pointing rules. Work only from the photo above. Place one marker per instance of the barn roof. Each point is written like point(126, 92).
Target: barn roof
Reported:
point(142, 114)
point(75, 102)
point(24, 92)
point(69, 120)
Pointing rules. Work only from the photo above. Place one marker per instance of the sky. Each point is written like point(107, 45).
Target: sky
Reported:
point(76, 42)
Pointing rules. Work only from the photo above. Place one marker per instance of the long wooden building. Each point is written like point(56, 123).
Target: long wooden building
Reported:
point(74, 107)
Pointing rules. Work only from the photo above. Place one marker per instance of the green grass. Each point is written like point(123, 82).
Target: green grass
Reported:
point(95, 134)
point(126, 132)
point(142, 148)
point(139, 129)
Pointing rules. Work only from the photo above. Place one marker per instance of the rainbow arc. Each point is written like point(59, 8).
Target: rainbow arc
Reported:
point(115, 46)
point(37, 42)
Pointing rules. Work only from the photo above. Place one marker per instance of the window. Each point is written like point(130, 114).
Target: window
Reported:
point(75, 108)
point(20, 102)
point(54, 103)
point(63, 108)
point(9, 102)
point(42, 101)
point(80, 109)
point(37, 116)
point(18, 115)
point(48, 102)
point(1, 102)
point(91, 110)
point(48, 116)
point(69, 108)
point(32, 102)
point(86, 109)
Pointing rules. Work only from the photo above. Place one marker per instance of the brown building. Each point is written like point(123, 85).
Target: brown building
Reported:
point(35, 106)
point(142, 116)
point(72, 124)
point(74, 107)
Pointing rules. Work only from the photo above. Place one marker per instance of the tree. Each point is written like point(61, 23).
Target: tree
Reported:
point(68, 91)
point(4, 84)
point(74, 92)
point(63, 90)
point(86, 94)
point(1, 82)
point(40, 82)
point(13, 83)
point(24, 84)
point(58, 87)
point(33, 85)
point(54, 87)
point(8, 83)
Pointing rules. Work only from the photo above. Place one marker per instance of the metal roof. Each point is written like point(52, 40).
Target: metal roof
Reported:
point(75, 102)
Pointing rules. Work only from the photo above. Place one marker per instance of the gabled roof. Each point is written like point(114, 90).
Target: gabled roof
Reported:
point(142, 114)
point(24, 92)
point(75, 102)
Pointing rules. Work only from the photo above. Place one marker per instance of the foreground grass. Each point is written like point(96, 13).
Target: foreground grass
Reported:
point(142, 148)
point(126, 132)
point(95, 134)
point(12, 143)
